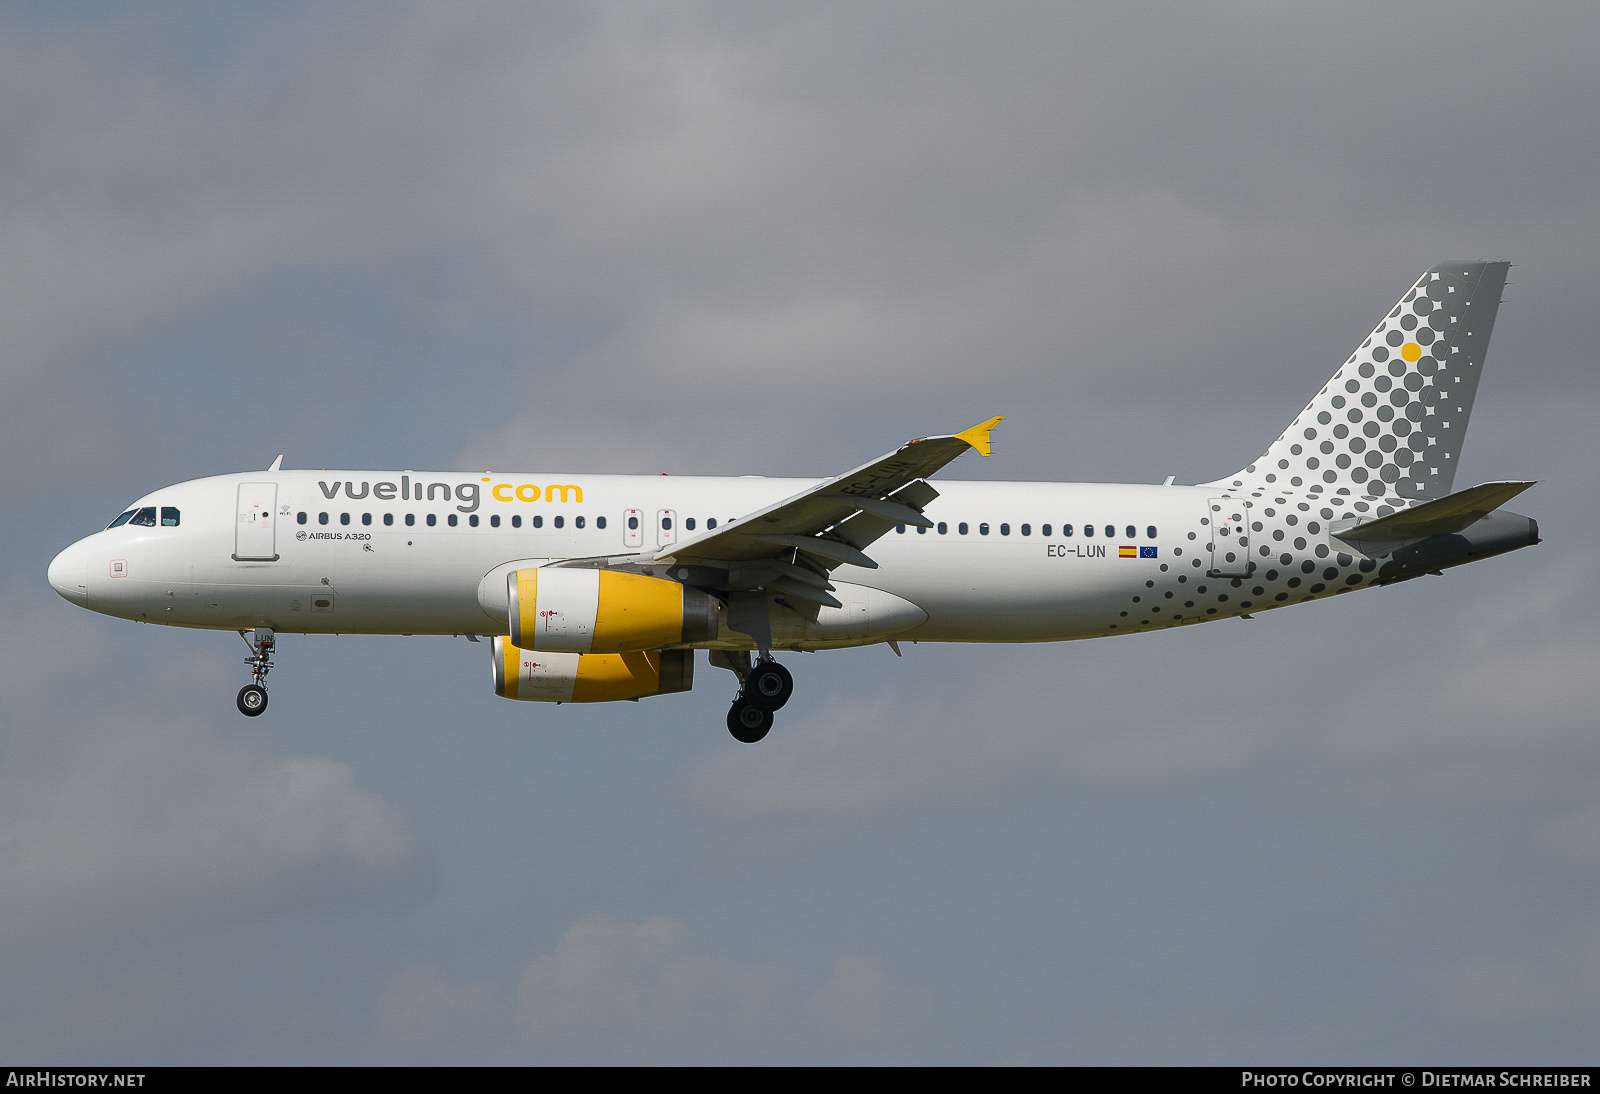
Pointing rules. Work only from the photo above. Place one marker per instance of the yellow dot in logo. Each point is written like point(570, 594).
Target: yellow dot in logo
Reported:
point(1410, 351)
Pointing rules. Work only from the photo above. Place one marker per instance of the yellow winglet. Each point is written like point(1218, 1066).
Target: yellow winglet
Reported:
point(978, 435)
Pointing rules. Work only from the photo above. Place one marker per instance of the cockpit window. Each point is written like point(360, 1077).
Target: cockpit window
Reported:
point(145, 518)
point(123, 519)
point(169, 517)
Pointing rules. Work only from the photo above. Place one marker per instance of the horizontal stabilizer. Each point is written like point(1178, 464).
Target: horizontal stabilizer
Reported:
point(1433, 518)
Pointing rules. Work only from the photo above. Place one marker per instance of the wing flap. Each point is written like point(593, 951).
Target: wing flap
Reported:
point(835, 519)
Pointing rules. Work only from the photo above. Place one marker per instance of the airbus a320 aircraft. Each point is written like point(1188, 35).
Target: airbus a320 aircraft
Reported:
point(601, 587)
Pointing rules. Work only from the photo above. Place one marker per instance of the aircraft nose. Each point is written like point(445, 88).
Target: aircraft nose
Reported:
point(69, 574)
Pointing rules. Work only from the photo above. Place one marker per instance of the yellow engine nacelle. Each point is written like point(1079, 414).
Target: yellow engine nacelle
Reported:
point(561, 609)
point(589, 677)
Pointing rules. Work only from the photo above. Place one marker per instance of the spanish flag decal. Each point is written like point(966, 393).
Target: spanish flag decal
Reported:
point(1127, 552)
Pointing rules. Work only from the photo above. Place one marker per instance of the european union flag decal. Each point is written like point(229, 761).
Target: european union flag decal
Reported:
point(1147, 552)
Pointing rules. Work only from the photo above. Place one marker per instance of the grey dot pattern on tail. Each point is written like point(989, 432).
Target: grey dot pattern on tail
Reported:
point(1390, 422)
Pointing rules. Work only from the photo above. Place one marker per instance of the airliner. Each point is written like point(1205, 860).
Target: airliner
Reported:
point(596, 588)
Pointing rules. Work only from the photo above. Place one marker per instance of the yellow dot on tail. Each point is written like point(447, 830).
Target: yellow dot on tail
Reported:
point(1410, 351)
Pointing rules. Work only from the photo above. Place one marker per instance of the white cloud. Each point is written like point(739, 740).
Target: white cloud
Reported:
point(142, 820)
point(117, 808)
point(607, 974)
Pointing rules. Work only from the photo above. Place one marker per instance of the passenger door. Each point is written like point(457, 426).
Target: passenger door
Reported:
point(255, 532)
point(1230, 537)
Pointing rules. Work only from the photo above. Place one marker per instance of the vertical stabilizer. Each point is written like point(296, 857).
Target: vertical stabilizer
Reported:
point(1391, 421)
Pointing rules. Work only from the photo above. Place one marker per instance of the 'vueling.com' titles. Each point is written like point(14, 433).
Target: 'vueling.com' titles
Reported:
point(467, 492)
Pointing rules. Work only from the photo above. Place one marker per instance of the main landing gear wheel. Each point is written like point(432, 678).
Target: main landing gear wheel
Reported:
point(769, 685)
point(748, 722)
point(252, 700)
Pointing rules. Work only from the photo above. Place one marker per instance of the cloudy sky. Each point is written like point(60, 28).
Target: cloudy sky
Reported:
point(782, 239)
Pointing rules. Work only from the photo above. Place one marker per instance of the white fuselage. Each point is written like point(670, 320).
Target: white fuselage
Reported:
point(341, 557)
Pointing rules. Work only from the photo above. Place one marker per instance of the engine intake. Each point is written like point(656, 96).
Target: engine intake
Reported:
point(567, 610)
point(588, 677)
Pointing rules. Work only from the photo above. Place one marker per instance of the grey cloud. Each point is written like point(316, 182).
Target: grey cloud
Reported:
point(782, 239)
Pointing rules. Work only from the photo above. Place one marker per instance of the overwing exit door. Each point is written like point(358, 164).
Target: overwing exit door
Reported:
point(255, 531)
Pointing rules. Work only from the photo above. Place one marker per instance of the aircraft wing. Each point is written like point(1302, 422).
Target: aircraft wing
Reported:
point(801, 538)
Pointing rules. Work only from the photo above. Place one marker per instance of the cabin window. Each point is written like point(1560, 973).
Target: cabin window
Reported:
point(560, 521)
point(516, 522)
point(578, 522)
point(1066, 530)
point(1026, 530)
point(711, 522)
point(388, 518)
point(473, 520)
point(451, 518)
point(921, 531)
point(666, 523)
point(943, 528)
point(432, 520)
point(538, 522)
point(1132, 531)
point(689, 524)
point(962, 528)
point(633, 524)
point(322, 518)
point(1005, 529)
point(169, 517)
point(411, 518)
point(300, 518)
point(1150, 532)
point(1088, 529)
point(599, 522)
point(366, 518)
point(344, 518)
point(494, 521)
point(1111, 531)
point(901, 528)
point(983, 529)
point(1044, 530)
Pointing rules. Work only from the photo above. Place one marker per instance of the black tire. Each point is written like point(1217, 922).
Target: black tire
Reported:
point(769, 685)
point(252, 700)
point(748, 722)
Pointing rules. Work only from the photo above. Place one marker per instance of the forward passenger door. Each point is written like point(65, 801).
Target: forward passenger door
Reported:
point(255, 529)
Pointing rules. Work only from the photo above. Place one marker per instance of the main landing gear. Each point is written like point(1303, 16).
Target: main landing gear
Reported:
point(252, 699)
point(763, 688)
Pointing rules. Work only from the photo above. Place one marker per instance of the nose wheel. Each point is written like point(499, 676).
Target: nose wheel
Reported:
point(252, 700)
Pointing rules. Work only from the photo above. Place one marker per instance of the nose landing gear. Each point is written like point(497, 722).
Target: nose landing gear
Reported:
point(252, 699)
point(763, 688)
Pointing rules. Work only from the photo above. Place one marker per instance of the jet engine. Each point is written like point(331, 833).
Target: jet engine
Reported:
point(588, 677)
point(561, 609)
